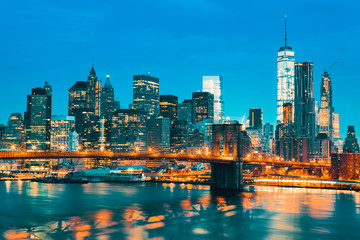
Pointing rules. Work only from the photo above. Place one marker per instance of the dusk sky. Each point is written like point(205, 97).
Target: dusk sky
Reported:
point(178, 41)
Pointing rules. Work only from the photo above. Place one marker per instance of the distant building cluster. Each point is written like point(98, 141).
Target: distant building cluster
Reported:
point(95, 121)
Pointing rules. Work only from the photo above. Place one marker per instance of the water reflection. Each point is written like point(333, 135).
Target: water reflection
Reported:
point(175, 211)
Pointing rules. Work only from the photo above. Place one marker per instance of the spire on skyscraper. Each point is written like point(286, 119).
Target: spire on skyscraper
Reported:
point(92, 71)
point(285, 33)
point(107, 83)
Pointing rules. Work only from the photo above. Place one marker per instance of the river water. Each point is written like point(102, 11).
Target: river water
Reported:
point(174, 211)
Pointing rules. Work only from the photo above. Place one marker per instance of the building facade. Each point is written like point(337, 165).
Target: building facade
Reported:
point(15, 132)
point(38, 119)
point(326, 108)
point(63, 134)
point(351, 144)
point(203, 103)
point(93, 93)
point(213, 85)
point(158, 134)
point(304, 106)
point(146, 94)
point(285, 77)
point(169, 107)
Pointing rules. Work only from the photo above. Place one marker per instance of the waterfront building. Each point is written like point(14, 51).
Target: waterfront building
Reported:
point(146, 94)
point(169, 107)
point(345, 166)
point(326, 108)
point(15, 132)
point(213, 85)
point(185, 111)
point(124, 133)
point(304, 120)
point(285, 77)
point(37, 119)
point(351, 144)
point(63, 134)
point(77, 104)
point(322, 146)
point(294, 149)
point(93, 93)
point(203, 103)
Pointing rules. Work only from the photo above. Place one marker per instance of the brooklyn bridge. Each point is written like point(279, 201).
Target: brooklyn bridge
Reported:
point(230, 152)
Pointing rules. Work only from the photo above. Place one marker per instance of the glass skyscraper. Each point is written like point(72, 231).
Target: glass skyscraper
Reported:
point(146, 94)
point(285, 77)
point(326, 108)
point(213, 84)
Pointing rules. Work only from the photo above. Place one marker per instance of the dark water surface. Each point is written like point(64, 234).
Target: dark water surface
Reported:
point(173, 211)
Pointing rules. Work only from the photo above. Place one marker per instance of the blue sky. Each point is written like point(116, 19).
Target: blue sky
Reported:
point(177, 41)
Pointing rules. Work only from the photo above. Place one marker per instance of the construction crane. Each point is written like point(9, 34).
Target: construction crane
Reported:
point(331, 66)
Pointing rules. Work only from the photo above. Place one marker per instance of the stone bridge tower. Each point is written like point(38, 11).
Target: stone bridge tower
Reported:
point(229, 140)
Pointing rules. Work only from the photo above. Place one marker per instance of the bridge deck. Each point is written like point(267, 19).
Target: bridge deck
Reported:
point(148, 156)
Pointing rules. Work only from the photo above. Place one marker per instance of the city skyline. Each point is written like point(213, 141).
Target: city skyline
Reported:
point(212, 59)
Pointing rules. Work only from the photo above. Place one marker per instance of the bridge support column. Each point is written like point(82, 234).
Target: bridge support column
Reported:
point(226, 176)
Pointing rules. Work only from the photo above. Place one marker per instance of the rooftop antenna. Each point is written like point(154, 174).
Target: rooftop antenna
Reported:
point(285, 33)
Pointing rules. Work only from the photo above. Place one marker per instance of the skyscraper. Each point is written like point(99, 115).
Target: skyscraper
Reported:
point(93, 93)
point(124, 132)
point(63, 134)
point(169, 107)
point(185, 112)
point(203, 106)
point(326, 108)
point(107, 98)
point(213, 84)
point(158, 134)
point(77, 104)
point(15, 132)
point(255, 118)
point(37, 119)
point(285, 77)
point(146, 94)
point(351, 144)
point(304, 107)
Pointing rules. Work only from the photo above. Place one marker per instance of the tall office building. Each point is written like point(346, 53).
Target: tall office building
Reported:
point(2, 131)
point(255, 118)
point(124, 134)
point(203, 103)
point(213, 84)
point(169, 107)
point(326, 107)
point(351, 144)
point(304, 121)
point(77, 104)
point(158, 134)
point(90, 136)
point(268, 134)
point(185, 111)
point(179, 136)
point(146, 94)
point(285, 77)
point(37, 119)
point(93, 93)
point(15, 132)
point(63, 134)
point(108, 104)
